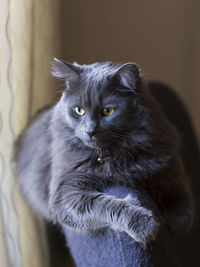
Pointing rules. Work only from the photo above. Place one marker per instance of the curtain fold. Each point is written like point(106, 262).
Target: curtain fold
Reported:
point(29, 39)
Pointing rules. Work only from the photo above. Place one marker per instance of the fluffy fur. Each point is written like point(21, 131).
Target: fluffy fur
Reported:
point(56, 156)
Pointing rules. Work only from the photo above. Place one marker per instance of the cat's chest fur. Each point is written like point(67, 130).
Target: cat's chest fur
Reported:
point(104, 169)
point(111, 170)
point(118, 168)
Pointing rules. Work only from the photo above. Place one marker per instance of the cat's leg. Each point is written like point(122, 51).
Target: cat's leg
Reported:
point(178, 211)
point(75, 202)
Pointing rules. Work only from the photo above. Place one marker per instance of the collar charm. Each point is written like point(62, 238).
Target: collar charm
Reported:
point(103, 154)
point(100, 160)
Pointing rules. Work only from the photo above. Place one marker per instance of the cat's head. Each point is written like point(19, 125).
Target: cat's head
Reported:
point(99, 103)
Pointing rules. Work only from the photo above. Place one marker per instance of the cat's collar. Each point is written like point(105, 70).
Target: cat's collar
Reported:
point(103, 154)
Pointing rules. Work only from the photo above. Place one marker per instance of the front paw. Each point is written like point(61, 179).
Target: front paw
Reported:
point(143, 228)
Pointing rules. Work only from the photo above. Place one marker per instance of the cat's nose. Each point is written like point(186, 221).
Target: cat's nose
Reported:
point(91, 133)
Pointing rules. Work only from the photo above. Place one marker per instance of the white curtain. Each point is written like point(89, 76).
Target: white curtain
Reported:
point(29, 39)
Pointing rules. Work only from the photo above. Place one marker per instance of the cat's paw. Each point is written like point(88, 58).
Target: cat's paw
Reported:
point(143, 228)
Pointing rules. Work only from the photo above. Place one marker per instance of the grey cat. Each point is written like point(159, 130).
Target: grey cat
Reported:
point(105, 130)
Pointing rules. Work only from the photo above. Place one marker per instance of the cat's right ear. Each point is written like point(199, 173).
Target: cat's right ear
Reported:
point(65, 71)
point(127, 76)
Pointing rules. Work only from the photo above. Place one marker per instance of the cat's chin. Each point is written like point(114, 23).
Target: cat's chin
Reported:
point(92, 144)
point(96, 145)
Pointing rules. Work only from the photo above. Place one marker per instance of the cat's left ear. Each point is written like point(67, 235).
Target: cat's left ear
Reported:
point(65, 71)
point(128, 75)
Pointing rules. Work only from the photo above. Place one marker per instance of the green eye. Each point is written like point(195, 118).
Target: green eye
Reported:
point(108, 111)
point(80, 111)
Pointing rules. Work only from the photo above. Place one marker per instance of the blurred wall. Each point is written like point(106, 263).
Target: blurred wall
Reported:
point(163, 37)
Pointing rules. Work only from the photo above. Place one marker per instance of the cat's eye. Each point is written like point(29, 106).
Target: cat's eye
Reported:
point(108, 111)
point(80, 111)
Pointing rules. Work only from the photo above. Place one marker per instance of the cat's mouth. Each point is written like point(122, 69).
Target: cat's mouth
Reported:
point(99, 144)
point(93, 143)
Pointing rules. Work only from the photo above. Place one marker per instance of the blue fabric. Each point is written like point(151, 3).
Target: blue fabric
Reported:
point(108, 248)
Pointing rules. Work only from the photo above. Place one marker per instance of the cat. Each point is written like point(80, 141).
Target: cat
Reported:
point(106, 129)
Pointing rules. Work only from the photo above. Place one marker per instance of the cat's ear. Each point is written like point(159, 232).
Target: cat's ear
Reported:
point(128, 75)
point(65, 71)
